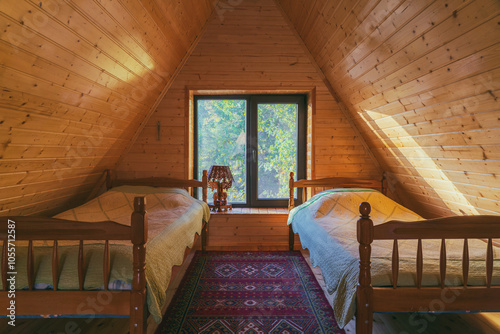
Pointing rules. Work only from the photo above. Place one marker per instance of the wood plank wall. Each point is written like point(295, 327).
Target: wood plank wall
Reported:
point(77, 79)
point(422, 80)
point(248, 46)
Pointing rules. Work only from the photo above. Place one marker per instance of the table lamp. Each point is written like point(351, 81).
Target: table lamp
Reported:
point(220, 178)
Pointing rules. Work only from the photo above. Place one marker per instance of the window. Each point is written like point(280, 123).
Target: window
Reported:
point(262, 139)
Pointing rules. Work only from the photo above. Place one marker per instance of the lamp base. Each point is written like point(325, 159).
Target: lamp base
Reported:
point(220, 208)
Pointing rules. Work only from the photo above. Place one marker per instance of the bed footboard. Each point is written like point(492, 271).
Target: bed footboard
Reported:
point(392, 299)
point(119, 302)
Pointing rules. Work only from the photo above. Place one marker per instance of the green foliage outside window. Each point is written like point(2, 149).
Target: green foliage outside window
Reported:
point(222, 140)
point(277, 140)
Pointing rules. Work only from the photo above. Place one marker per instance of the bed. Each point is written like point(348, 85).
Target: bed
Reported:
point(377, 256)
point(92, 261)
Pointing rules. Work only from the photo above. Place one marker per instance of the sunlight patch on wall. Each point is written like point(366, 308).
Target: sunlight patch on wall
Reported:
point(392, 131)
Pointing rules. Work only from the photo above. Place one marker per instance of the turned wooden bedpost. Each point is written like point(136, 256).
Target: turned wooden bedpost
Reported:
point(291, 203)
point(364, 293)
point(139, 237)
point(204, 180)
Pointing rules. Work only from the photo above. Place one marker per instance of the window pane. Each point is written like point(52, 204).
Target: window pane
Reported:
point(277, 149)
point(222, 141)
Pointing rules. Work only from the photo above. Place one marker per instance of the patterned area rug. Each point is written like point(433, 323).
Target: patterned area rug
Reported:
point(249, 292)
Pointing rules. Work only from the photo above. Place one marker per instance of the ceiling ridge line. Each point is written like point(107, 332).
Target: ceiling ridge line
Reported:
point(343, 108)
point(167, 87)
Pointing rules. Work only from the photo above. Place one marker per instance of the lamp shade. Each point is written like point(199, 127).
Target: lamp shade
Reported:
point(222, 175)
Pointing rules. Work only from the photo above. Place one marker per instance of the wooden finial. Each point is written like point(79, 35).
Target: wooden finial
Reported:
point(139, 204)
point(364, 293)
point(365, 209)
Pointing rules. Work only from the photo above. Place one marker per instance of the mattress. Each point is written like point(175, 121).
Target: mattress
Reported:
point(327, 223)
point(173, 219)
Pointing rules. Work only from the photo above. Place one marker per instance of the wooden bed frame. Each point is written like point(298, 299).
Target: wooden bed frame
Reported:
point(371, 299)
point(106, 302)
point(326, 183)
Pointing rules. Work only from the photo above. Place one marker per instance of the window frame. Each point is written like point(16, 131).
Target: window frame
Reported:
point(252, 101)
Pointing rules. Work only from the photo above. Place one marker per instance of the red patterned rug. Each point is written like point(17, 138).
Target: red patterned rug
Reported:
point(249, 292)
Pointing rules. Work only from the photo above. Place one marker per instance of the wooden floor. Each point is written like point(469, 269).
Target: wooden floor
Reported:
point(400, 323)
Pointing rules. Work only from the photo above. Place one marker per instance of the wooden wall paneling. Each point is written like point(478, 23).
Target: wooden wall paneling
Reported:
point(136, 21)
point(468, 66)
point(373, 35)
point(131, 39)
point(85, 20)
point(77, 79)
point(420, 79)
point(157, 103)
point(374, 168)
point(257, 231)
point(314, 33)
point(462, 47)
point(250, 47)
point(362, 11)
point(410, 31)
point(362, 28)
point(63, 35)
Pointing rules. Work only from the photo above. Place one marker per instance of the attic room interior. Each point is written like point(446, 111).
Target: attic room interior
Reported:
point(334, 162)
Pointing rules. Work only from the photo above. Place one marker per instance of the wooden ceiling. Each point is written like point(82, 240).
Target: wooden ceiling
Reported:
point(420, 79)
point(77, 80)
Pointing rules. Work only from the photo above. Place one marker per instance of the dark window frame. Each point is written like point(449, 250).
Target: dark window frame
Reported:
point(251, 144)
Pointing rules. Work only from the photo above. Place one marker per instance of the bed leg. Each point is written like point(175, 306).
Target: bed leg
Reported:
point(291, 238)
point(138, 322)
point(364, 292)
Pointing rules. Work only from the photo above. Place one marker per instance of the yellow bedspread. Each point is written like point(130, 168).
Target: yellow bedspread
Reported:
point(326, 224)
point(173, 219)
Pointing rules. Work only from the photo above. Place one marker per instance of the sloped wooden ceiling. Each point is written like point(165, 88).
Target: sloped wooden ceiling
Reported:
point(77, 78)
point(248, 46)
point(422, 81)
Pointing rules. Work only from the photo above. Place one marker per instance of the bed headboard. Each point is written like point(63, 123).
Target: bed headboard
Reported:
point(332, 182)
point(110, 181)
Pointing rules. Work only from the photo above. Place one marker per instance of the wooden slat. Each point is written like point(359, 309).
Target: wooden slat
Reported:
point(81, 265)
point(465, 263)
point(55, 265)
point(106, 265)
point(420, 262)
point(442, 263)
point(489, 262)
point(337, 182)
point(419, 79)
point(244, 53)
point(69, 94)
point(30, 267)
point(395, 263)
